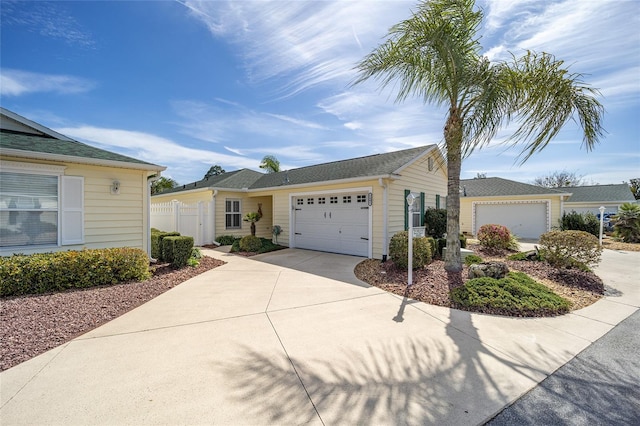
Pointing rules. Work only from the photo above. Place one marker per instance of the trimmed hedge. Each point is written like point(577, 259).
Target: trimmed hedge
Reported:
point(177, 250)
point(52, 272)
point(250, 243)
point(156, 243)
point(399, 251)
point(226, 240)
point(567, 249)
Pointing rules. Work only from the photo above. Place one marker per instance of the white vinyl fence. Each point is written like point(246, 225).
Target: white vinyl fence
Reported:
point(193, 220)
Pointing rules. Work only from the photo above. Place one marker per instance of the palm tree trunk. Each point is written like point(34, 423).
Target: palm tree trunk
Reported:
point(453, 140)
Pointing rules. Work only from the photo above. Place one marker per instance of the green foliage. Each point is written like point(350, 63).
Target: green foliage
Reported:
point(523, 255)
point(214, 171)
point(433, 246)
point(196, 253)
point(435, 55)
point(627, 225)
point(463, 241)
point(235, 246)
point(177, 250)
point(162, 184)
point(399, 251)
point(226, 240)
point(516, 294)
point(156, 242)
point(472, 259)
point(50, 272)
point(252, 217)
point(250, 243)
point(574, 221)
point(566, 249)
point(494, 236)
point(435, 222)
point(270, 164)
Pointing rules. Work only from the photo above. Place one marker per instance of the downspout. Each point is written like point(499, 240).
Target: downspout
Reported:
point(213, 216)
point(150, 181)
point(385, 220)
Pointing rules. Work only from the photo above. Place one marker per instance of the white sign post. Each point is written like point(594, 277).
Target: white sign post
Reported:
point(411, 199)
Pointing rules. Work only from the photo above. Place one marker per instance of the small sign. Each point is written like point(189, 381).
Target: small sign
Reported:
point(418, 231)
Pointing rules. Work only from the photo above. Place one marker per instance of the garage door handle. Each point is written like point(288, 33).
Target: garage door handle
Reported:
point(325, 215)
point(298, 233)
point(363, 238)
point(364, 208)
point(329, 215)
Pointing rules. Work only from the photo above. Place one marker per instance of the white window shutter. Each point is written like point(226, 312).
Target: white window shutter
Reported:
point(72, 210)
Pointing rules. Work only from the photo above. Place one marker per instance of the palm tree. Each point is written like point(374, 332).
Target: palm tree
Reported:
point(436, 55)
point(161, 184)
point(270, 164)
point(627, 223)
point(252, 218)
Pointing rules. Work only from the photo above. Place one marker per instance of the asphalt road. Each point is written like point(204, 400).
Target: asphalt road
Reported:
point(600, 386)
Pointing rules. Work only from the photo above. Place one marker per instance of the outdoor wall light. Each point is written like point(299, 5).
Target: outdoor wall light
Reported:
point(115, 187)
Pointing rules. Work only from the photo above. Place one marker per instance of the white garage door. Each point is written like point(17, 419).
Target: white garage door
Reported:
point(337, 223)
point(525, 220)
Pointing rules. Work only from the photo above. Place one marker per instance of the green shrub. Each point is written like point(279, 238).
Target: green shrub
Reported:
point(196, 253)
point(435, 222)
point(494, 236)
point(399, 251)
point(570, 249)
point(156, 243)
point(177, 250)
point(516, 294)
point(442, 243)
point(472, 259)
point(433, 246)
point(226, 240)
point(50, 272)
point(627, 225)
point(250, 243)
point(587, 222)
point(463, 241)
point(235, 247)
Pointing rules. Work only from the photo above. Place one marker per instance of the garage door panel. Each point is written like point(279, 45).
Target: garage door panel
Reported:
point(336, 223)
point(526, 220)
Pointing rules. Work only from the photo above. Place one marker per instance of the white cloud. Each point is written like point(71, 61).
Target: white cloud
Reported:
point(16, 83)
point(300, 44)
point(179, 159)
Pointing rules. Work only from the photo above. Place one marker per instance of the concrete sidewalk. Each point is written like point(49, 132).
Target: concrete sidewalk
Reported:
point(293, 337)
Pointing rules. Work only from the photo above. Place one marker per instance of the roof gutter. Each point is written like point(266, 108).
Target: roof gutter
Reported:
point(82, 160)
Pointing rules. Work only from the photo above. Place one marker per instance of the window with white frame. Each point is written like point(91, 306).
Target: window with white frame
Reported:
point(232, 213)
point(39, 206)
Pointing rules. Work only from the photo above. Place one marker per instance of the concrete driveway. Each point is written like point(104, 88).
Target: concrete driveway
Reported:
point(292, 337)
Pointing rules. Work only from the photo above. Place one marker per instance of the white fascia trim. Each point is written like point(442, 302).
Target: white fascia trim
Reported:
point(32, 168)
point(319, 183)
point(82, 160)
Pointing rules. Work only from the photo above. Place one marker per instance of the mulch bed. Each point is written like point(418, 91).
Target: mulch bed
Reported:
point(432, 284)
point(33, 324)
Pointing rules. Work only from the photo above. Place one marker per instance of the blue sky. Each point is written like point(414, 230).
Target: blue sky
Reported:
point(190, 84)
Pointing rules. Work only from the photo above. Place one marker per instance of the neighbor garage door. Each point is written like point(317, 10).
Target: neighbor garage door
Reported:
point(525, 220)
point(337, 223)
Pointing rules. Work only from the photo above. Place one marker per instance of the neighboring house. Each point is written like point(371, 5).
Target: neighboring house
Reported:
point(591, 198)
point(528, 211)
point(352, 206)
point(59, 194)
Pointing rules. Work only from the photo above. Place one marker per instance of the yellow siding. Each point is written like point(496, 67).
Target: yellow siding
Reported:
point(276, 201)
point(417, 178)
point(190, 197)
point(109, 220)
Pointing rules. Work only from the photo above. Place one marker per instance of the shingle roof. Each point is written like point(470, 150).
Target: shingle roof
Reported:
point(496, 187)
point(372, 165)
point(237, 179)
point(369, 166)
point(600, 193)
point(45, 145)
